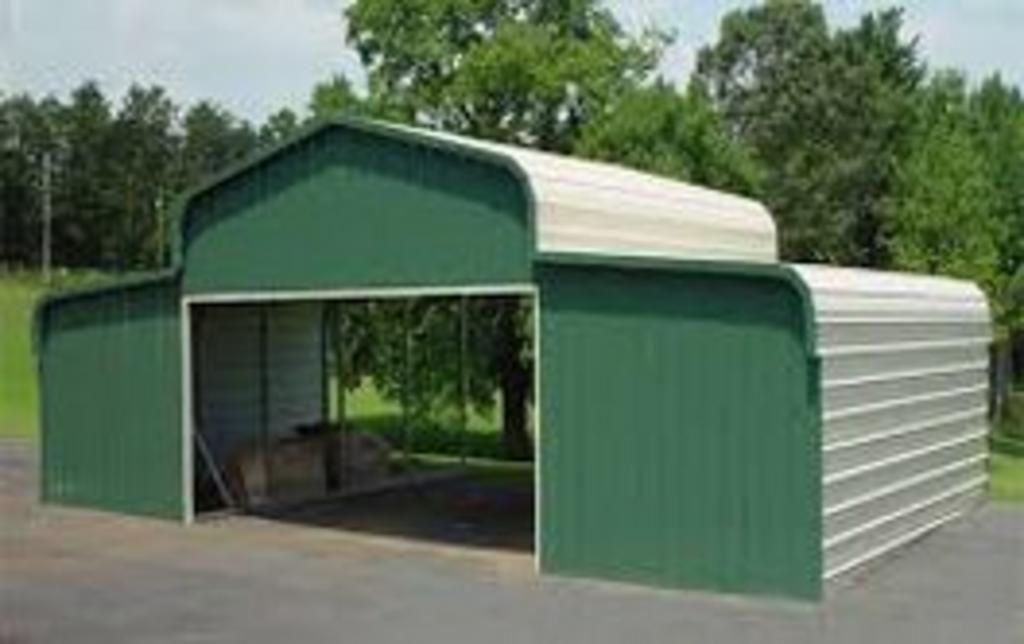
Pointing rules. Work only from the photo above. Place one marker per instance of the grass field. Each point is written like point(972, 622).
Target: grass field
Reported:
point(17, 370)
point(439, 432)
point(1008, 453)
point(1007, 478)
point(19, 293)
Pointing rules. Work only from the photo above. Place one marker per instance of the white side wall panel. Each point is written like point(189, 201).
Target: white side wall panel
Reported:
point(904, 407)
point(229, 374)
point(294, 377)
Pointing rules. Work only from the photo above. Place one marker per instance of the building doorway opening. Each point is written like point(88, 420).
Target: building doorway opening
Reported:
point(396, 413)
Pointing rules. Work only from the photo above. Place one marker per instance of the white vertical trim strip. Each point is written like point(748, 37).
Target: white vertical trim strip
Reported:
point(187, 467)
point(537, 451)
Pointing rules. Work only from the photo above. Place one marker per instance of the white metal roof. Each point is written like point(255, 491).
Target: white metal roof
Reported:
point(857, 292)
point(599, 208)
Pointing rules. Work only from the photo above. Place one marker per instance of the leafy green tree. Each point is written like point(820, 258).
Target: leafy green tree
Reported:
point(17, 173)
point(29, 129)
point(1015, 306)
point(997, 117)
point(659, 130)
point(144, 144)
point(877, 77)
point(826, 114)
point(213, 138)
point(279, 126)
point(84, 194)
point(943, 210)
point(531, 72)
point(336, 96)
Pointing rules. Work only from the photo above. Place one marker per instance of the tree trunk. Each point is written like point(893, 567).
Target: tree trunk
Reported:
point(515, 379)
point(514, 403)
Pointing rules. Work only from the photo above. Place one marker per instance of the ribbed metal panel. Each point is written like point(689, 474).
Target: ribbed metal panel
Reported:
point(230, 379)
point(110, 387)
point(227, 363)
point(295, 378)
point(904, 395)
point(344, 208)
point(678, 433)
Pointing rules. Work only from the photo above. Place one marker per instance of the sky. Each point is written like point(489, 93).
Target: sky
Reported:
point(256, 56)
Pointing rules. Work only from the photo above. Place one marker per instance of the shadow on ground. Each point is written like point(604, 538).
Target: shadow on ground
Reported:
point(462, 511)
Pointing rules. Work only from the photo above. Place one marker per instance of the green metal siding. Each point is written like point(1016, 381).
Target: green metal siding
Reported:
point(351, 208)
point(679, 440)
point(110, 374)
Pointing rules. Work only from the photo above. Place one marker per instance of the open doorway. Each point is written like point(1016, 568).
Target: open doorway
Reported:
point(407, 414)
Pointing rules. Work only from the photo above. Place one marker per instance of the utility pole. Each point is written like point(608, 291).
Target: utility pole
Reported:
point(47, 217)
point(161, 233)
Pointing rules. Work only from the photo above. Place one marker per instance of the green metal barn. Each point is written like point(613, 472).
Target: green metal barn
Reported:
point(705, 416)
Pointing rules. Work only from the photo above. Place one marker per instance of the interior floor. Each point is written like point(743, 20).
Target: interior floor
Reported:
point(472, 508)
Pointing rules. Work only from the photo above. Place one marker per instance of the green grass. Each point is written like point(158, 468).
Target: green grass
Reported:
point(19, 293)
point(438, 433)
point(1007, 467)
point(17, 371)
point(1007, 478)
point(367, 404)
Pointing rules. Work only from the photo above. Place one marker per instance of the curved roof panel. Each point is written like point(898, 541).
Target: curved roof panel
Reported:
point(849, 293)
point(599, 208)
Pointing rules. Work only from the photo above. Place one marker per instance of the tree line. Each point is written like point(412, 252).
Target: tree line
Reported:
point(864, 154)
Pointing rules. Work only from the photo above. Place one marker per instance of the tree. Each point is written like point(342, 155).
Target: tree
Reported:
point(997, 119)
point(825, 114)
point(17, 173)
point(943, 219)
point(877, 77)
point(84, 195)
point(279, 126)
point(29, 129)
point(658, 130)
point(531, 72)
point(336, 97)
point(213, 138)
point(144, 145)
point(1015, 303)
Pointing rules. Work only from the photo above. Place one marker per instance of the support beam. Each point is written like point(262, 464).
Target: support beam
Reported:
point(463, 377)
point(264, 367)
point(406, 379)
